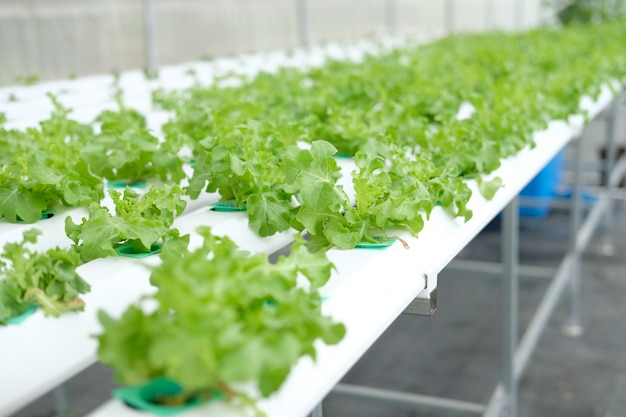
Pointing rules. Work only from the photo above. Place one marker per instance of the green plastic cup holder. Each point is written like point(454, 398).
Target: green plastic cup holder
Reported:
point(128, 251)
point(19, 319)
point(45, 215)
point(124, 184)
point(342, 155)
point(380, 244)
point(143, 397)
point(227, 206)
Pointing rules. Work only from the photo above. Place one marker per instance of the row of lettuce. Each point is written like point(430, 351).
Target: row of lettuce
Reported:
point(270, 146)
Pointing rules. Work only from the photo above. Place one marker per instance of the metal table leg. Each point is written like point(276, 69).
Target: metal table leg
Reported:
point(608, 246)
point(510, 304)
point(573, 327)
point(317, 412)
point(60, 400)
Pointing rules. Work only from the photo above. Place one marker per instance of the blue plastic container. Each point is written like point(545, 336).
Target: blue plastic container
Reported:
point(543, 186)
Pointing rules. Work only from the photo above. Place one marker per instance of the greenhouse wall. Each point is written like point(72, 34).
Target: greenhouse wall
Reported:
point(48, 39)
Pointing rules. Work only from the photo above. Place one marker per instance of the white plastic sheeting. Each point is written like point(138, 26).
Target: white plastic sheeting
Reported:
point(52, 39)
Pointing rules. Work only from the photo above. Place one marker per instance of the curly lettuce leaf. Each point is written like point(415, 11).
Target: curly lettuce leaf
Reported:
point(140, 221)
point(47, 279)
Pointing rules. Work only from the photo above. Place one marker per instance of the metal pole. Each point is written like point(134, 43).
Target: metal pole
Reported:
point(495, 268)
point(572, 327)
point(553, 293)
point(150, 39)
point(510, 303)
point(608, 246)
point(60, 399)
point(302, 20)
point(540, 16)
point(557, 287)
point(489, 14)
point(419, 402)
point(391, 16)
point(519, 14)
point(449, 10)
point(317, 412)
point(551, 298)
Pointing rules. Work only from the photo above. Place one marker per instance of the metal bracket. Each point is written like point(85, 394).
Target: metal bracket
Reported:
point(425, 304)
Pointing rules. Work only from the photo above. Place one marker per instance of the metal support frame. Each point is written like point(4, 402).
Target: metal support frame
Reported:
point(617, 194)
point(425, 304)
point(60, 401)
point(519, 9)
point(391, 16)
point(573, 327)
point(489, 14)
point(415, 401)
point(317, 412)
point(551, 298)
point(302, 20)
point(552, 202)
point(495, 268)
point(608, 246)
point(510, 303)
point(449, 15)
point(150, 38)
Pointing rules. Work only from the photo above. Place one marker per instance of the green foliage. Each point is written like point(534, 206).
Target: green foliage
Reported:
point(393, 188)
point(48, 279)
point(570, 12)
point(125, 150)
point(244, 166)
point(30, 79)
point(313, 174)
point(396, 113)
point(140, 221)
point(223, 316)
point(42, 168)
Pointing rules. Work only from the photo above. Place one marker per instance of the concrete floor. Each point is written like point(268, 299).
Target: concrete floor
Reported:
point(456, 353)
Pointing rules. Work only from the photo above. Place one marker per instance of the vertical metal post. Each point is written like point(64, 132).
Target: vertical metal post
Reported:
point(317, 412)
point(510, 303)
point(60, 400)
point(449, 12)
point(608, 246)
point(489, 14)
point(150, 38)
point(539, 16)
point(573, 328)
point(519, 8)
point(391, 16)
point(302, 19)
